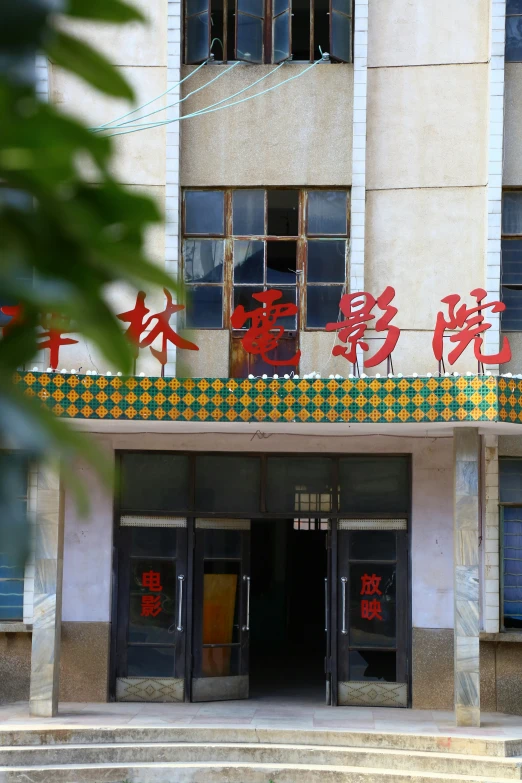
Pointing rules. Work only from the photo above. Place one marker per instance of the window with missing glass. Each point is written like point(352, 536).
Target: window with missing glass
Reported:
point(511, 271)
point(510, 492)
point(514, 31)
point(268, 31)
point(241, 242)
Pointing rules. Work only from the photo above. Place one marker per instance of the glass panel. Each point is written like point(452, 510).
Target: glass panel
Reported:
point(196, 6)
point(248, 212)
point(373, 545)
point(11, 599)
point(512, 261)
point(243, 296)
point(227, 483)
point(197, 38)
point(322, 305)
point(512, 212)
point(150, 661)
point(373, 665)
point(327, 212)
point(299, 484)
point(341, 37)
point(280, 6)
point(221, 603)
point(282, 37)
point(514, 7)
point(372, 604)
point(512, 567)
point(204, 211)
point(249, 38)
point(255, 7)
point(289, 296)
point(281, 260)
point(514, 39)
point(155, 541)
point(221, 543)
point(284, 352)
point(283, 212)
point(510, 480)
point(249, 261)
point(152, 601)
point(511, 318)
point(204, 260)
point(374, 484)
point(216, 660)
point(344, 6)
point(204, 307)
point(154, 482)
point(8, 571)
point(326, 261)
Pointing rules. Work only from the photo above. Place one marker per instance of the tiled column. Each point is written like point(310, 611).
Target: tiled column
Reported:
point(466, 521)
point(45, 654)
point(491, 611)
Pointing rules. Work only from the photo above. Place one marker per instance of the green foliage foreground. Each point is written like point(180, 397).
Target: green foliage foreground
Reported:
point(71, 237)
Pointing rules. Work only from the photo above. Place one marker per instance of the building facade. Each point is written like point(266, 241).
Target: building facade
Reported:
point(285, 517)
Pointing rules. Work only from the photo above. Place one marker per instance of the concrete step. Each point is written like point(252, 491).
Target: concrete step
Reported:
point(260, 753)
point(451, 743)
point(224, 773)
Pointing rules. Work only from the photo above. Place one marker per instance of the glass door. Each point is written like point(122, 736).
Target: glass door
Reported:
point(372, 612)
point(221, 609)
point(150, 658)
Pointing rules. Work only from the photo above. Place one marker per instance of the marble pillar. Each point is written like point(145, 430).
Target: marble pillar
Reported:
point(48, 554)
point(466, 521)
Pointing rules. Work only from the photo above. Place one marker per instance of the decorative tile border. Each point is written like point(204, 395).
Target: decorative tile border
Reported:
point(358, 400)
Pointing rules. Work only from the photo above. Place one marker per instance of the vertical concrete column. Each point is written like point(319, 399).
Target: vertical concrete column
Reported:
point(466, 521)
point(45, 654)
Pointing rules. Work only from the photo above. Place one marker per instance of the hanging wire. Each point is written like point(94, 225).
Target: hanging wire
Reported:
point(144, 106)
point(176, 103)
point(210, 109)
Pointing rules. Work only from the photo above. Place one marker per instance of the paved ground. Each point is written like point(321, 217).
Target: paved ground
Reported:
point(260, 713)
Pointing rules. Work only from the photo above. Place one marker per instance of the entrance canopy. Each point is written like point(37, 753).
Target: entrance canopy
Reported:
point(416, 404)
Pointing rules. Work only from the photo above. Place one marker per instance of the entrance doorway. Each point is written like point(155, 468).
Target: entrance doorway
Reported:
point(265, 576)
point(287, 636)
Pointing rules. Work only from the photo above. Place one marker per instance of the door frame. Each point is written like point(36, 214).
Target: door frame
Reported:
point(190, 514)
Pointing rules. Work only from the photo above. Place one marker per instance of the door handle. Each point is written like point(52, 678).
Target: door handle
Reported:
point(344, 579)
point(326, 604)
point(247, 626)
point(181, 579)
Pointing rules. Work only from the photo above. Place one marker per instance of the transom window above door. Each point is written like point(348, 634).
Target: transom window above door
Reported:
point(267, 31)
point(240, 242)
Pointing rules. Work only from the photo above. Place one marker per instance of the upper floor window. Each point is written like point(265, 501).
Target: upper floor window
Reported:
point(241, 242)
point(511, 277)
point(514, 31)
point(267, 31)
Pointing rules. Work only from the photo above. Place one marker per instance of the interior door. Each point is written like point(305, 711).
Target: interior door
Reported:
point(150, 657)
point(221, 610)
point(372, 612)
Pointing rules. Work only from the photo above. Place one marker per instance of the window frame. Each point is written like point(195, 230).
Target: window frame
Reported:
point(510, 16)
point(502, 505)
point(504, 238)
point(268, 34)
point(301, 240)
point(21, 579)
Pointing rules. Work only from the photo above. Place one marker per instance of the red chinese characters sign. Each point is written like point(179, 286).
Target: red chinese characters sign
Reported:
point(461, 325)
point(151, 602)
point(371, 609)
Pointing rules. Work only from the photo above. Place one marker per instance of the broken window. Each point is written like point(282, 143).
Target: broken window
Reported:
point(267, 31)
point(240, 242)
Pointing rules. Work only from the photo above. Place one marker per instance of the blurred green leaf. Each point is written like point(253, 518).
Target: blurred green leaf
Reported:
point(104, 10)
point(86, 62)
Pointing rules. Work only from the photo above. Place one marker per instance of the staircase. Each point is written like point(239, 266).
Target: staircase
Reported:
point(249, 755)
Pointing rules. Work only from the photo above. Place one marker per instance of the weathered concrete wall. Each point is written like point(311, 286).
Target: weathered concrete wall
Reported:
point(299, 134)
